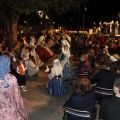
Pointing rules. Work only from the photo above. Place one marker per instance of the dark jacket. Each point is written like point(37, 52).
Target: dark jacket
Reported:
point(110, 109)
point(85, 103)
point(103, 79)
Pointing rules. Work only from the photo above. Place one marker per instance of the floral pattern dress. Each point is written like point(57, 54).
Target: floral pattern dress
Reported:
point(11, 103)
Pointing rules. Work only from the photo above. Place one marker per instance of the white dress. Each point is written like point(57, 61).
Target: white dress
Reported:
point(31, 67)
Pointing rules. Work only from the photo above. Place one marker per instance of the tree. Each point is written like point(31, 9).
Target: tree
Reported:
point(10, 11)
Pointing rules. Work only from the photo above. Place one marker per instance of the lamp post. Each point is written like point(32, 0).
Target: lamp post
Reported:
point(40, 14)
point(84, 10)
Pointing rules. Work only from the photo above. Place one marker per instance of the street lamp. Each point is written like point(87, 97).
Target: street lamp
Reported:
point(40, 14)
point(84, 10)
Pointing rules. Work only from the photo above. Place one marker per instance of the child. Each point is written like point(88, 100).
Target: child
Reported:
point(21, 70)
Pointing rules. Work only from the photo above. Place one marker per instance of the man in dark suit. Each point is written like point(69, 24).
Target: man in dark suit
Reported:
point(110, 109)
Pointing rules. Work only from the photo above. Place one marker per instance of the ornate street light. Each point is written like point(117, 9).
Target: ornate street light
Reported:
point(40, 14)
point(84, 10)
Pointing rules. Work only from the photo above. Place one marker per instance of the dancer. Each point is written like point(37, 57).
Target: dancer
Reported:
point(43, 51)
point(64, 59)
point(56, 85)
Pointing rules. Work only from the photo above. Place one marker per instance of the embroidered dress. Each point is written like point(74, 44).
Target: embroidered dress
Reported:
point(67, 71)
point(35, 58)
point(32, 69)
point(56, 85)
point(11, 103)
point(43, 51)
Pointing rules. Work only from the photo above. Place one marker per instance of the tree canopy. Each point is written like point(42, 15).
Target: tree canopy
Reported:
point(48, 6)
point(10, 10)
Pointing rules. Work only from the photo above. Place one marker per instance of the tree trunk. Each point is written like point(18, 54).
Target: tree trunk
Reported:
point(10, 26)
point(14, 23)
point(5, 22)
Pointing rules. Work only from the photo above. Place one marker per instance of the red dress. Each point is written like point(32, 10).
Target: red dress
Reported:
point(43, 54)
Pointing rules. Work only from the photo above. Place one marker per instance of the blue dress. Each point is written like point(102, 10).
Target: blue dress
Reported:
point(67, 68)
point(67, 71)
point(57, 87)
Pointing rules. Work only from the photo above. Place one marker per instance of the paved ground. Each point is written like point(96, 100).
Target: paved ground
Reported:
point(39, 105)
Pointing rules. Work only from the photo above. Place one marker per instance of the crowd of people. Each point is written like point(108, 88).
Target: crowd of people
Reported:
point(92, 78)
point(107, 27)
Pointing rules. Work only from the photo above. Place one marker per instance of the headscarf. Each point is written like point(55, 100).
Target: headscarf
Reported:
point(57, 68)
point(65, 42)
point(4, 68)
point(41, 39)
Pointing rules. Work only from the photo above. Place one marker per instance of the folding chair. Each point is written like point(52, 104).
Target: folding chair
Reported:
point(79, 113)
point(102, 93)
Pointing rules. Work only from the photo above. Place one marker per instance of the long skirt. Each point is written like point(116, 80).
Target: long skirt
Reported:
point(37, 61)
point(31, 67)
point(57, 87)
point(67, 71)
point(43, 54)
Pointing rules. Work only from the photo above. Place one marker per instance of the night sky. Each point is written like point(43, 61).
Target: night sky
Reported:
point(97, 10)
point(104, 10)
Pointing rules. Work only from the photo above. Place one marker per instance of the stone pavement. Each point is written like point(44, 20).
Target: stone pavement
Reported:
point(42, 106)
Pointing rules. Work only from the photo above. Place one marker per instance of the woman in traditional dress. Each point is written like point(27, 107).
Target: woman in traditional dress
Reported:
point(43, 51)
point(65, 60)
point(32, 69)
point(35, 58)
point(11, 103)
point(56, 85)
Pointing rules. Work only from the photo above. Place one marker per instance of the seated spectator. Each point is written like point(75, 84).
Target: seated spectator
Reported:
point(82, 99)
point(96, 48)
point(99, 64)
point(104, 80)
point(109, 109)
point(84, 67)
point(114, 57)
point(91, 57)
